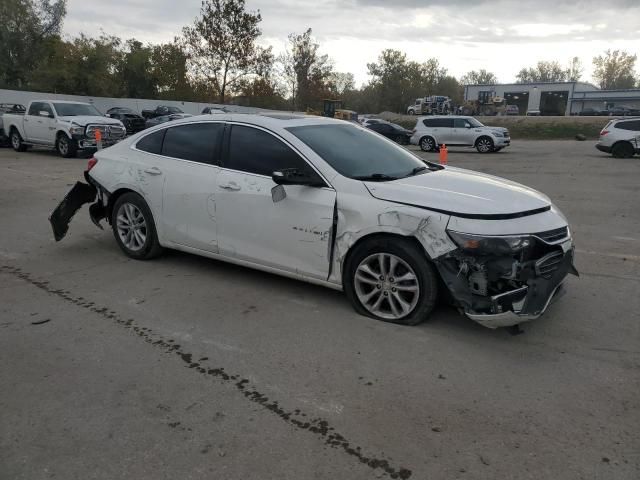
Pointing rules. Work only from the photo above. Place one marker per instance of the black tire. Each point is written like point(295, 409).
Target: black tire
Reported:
point(412, 112)
point(400, 139)
point(484, 144)
point(410, 253)
point(151, 247)
point(66, 147)
point(16, 141)
point(623, 150)
point(428, 144)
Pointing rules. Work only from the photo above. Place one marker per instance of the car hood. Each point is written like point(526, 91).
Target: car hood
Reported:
point(497, 129)
point(84, 120)
point(463, 193)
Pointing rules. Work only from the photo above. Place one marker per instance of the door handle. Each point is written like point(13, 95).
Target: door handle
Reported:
point(153, 171)
point(231, 186)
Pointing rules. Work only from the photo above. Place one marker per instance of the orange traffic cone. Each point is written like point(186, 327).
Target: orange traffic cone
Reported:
point(443, 154)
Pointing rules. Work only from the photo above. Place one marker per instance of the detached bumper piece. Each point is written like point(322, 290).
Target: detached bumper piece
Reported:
point(79, 194)
point(505, 291)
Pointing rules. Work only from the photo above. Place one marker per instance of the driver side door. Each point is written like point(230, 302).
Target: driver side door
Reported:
point(292, 234)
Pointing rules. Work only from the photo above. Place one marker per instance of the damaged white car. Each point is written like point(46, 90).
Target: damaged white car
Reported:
point(332, 203)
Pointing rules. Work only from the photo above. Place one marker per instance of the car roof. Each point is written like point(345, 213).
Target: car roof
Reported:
point(65, 101)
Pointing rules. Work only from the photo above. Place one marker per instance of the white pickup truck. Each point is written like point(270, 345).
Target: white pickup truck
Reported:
point(65, 126)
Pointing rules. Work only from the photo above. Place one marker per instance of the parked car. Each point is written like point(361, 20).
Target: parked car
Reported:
point(332, 203)
point(533, 113)
point(152, 122)
point(370, 121)
point(393, 131)
point(8, 108)
point(511, 110)
point(212, 110)
point(620, 138)
point(160, 110)
point(65, 126)
point(623, 111)
point(431, 132)
point(132, 121)
point(592, 112)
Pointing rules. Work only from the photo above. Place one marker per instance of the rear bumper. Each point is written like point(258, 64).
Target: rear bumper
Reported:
point(603, 148)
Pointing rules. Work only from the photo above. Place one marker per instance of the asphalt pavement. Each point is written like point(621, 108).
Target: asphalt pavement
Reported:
point(189, 368)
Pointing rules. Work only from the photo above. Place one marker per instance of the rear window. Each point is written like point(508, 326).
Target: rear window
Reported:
point(152, 143)
point(197, 142)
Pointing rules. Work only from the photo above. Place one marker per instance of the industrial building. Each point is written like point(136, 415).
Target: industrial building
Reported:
point(557, 98)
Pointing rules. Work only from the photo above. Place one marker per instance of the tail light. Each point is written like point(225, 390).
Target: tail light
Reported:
point(603, 133)
point(92, 163)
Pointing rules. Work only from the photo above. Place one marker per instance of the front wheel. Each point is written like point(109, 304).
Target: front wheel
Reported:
point(16, 141)
point(390, 279)
point(134, 228)
point(484, 145)
point(66, 147)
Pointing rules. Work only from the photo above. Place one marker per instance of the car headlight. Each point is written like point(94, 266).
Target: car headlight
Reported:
point(498, 134)
point(76, 130)
point(490, 245)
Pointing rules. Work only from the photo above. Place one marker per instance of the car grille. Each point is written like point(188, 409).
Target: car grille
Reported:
point(549, 264)
point(554, 236)
point(109, 132)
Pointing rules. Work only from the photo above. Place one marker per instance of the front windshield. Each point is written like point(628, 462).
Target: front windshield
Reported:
point(75, 109)
point(474, 122)
point(358, 153)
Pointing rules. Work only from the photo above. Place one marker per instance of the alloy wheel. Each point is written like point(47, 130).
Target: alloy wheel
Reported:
point(387, 286)
point(131, 226)
point(427, 144)
point(484, 145)
point(15, 141)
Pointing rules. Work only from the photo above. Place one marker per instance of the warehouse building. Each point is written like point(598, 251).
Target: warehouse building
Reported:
point(557, 98)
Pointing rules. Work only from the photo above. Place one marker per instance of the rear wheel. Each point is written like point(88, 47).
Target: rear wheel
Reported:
point(623, 150)
point(484, 145)
point(427, 144)
point(134, 228)
point(16, 141)
point(390, 279)
point(66, 147)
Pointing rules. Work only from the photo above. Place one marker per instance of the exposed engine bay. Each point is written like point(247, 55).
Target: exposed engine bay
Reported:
point(503, 281)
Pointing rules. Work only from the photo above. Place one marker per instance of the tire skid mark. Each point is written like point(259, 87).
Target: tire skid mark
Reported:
point(296, 418)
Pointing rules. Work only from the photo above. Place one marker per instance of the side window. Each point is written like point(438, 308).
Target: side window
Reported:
point(459, 123)
point(256, 151)
point(632, 125)
point(429, 122)
point(197, 142)
point(152, 143)
point(47, 108)
point(35, 108)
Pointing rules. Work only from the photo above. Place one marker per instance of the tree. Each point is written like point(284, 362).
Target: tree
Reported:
point(341, 82)
point(479, 77)
point(393, 76)
point(169, 70)
point(574, 71)
point(135, 71)
point(543, 72)
point(615, 69)
point(311, 70)
point(221, 45)
point(25, 27)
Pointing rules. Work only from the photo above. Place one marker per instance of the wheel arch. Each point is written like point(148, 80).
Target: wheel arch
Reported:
point(62, 132)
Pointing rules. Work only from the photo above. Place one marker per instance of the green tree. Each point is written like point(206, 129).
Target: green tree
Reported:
point(341, 82)
point(543, 72)
point(479, 77)
point(615, 69)
point(169, 67)
point(25, 27)
point(135, 71)
point(392, 78)
point(222, 47)
point(307, 71)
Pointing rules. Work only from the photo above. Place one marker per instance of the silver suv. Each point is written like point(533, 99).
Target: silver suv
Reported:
point(431, 132)
point(621, 138)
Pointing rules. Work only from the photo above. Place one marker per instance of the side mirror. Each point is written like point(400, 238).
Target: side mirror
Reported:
point(44, 113)
point(293, 176)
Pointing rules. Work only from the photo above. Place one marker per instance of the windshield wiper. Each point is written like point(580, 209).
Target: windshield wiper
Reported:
point(416, 171)
point(376, 177)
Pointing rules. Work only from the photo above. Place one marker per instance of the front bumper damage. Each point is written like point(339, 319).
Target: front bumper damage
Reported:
point(503, 291)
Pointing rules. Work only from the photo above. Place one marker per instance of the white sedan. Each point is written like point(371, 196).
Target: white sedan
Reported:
point(332, 203)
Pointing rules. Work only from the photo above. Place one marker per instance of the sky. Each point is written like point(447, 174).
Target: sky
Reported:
point(501, 36)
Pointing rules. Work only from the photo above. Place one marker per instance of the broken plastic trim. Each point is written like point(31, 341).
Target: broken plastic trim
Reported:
point(61, 216)
point(479, 216)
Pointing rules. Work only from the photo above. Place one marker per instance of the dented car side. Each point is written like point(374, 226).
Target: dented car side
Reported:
point(501, 250)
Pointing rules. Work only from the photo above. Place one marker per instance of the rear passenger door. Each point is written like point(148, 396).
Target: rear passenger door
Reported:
point(191, 152)
point(446, 131)
point(292, 234)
